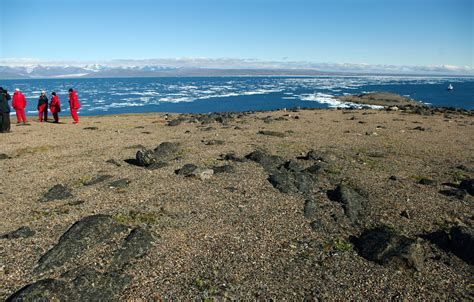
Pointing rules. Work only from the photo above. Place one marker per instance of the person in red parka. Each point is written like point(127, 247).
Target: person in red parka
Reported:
point(74, 105)
point(55, 106)
point(19, 104)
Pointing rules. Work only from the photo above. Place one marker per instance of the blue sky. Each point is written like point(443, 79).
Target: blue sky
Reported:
point(398, 32)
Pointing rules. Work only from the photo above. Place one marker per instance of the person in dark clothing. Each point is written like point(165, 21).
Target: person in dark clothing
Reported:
point(43, 107)
point(4, 111)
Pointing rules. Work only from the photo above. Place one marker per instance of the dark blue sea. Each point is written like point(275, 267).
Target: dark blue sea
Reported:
point(223, 94)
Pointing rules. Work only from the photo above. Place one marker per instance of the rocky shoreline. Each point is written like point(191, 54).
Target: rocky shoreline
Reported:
point(288, 204)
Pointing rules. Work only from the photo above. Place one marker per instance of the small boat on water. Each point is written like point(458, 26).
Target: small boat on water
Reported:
point(450, 87)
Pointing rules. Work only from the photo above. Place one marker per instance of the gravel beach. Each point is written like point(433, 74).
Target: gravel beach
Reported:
point(288, 205)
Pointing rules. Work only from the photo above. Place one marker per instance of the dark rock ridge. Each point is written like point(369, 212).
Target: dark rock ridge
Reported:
point(386, 247)
point(82, 235)
point(22, 232)
point(136, 245)
point(286, 176)
point(222, 118)
point(86, 283)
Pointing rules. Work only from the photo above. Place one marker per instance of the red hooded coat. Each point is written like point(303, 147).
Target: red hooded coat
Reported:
point(19, 101)
point(55, 105)
point(74, 100)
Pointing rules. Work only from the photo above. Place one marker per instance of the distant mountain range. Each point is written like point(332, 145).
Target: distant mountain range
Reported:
point(192, 67)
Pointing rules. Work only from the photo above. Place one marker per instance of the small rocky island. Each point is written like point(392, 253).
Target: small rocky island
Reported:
point(387, 99)
point(287, 205)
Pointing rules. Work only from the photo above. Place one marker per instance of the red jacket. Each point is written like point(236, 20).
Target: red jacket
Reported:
point(55, 105)
point(19, 101)
point(74, 100)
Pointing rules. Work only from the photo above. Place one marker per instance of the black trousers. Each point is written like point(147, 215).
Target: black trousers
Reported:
point(5, 122)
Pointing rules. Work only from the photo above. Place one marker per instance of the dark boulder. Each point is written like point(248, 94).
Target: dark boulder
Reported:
point(81, 236)
point(303, 181)
point(458, 240)
point(22, 232)
point(426, 181)
point(145, 157)
point(462, 243)
point(352, 201)
point(456, 193)
point(386, 247)
point(58, 192)
point(3, 156)
point(467, 185)
point(310, 208)
point(166, 151)
point(284, 181)
point(292, 165)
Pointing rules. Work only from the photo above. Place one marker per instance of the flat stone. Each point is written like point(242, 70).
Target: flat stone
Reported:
point(58, 192)
point(97, 179)
point(272, 133)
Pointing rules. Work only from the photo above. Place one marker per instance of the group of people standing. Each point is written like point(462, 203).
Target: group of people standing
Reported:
point(19, 104)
